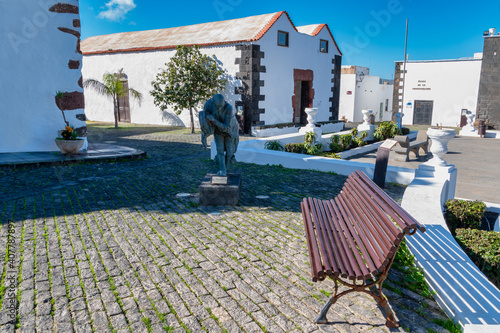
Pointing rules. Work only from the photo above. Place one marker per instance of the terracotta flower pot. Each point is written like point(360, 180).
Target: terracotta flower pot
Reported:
point(69, 146)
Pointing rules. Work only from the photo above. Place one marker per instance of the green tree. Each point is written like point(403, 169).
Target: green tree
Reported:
point(113, 87)
point(189, 79)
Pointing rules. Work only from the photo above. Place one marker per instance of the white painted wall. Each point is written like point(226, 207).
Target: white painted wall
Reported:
point(453, 85)
point(367, 94)
point(302, 53)
point(142, 68)
point(346, 103)
point(34, 65)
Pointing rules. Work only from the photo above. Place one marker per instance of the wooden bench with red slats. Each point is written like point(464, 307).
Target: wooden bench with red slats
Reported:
point(353, 239)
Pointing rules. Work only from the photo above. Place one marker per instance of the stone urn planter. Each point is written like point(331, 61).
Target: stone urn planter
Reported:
point(439, 146)
point(69, 146)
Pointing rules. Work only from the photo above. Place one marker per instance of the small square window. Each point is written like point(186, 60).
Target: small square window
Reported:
point(323, 46)
point(282, 38)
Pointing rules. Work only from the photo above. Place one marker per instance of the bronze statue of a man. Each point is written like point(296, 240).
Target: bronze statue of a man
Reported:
point(218, 118)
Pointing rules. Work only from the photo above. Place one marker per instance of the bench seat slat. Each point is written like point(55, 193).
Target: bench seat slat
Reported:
point(352, 269)
point(327, 234)
point(362, 222)
point(316, 266)
point(337, 258)
point(340, 242)
point(320, 232)
point(367, 264)
point(340, 254)
point(375, 233)
point(360, 269)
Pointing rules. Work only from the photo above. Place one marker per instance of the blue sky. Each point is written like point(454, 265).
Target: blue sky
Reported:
point(369, 33)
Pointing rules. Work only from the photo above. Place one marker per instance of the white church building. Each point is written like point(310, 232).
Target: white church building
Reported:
point(275, 69)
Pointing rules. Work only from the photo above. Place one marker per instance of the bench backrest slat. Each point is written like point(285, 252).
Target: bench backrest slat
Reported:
point(411, 224)
point(388, 230)
point(381, 222)
point(386, 208)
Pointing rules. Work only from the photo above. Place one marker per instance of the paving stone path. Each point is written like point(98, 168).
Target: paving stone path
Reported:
point(110, 247)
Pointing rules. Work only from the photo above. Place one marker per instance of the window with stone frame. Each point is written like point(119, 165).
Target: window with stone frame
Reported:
point(323, 46)
point(282, 38)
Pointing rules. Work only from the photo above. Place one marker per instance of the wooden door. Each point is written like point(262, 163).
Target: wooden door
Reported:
point(124, 104)
point(422, 113)
point(304, 101)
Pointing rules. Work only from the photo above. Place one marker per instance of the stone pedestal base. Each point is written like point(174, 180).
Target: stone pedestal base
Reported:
point(220, 194)
point(370, 129)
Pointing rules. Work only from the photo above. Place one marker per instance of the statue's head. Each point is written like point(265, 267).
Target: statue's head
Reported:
point(218, 100)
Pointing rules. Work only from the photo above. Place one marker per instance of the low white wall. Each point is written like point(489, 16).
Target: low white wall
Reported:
point(271, 132)
point(252, 151)
point(461, 288)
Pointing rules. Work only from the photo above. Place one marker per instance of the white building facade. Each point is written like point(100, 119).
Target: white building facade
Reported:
point(436, 91)
point(275, 69)
point(40, 55)
point(360, 91)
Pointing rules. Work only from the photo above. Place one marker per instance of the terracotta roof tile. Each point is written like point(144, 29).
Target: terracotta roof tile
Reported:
point(248, 29)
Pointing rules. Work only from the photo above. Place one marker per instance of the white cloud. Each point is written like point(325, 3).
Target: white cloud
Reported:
point(117, 9)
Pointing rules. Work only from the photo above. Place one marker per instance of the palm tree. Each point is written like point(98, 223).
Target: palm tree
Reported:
point(113, 87)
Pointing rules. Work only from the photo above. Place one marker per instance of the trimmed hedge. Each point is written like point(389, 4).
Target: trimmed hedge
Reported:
point(297, 148)
point(483, 248)
point(463, 214)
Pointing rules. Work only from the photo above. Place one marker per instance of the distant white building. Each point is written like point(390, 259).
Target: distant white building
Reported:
point(436, 91)
point(275, 69)
point(359, 90)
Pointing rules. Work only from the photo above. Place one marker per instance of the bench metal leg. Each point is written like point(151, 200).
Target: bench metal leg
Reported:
point(377, 294)
point(322, 315)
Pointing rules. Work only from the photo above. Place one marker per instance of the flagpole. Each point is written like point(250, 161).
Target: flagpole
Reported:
point(404, 75)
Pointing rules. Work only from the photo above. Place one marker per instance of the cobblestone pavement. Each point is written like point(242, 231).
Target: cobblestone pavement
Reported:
point(111, 248)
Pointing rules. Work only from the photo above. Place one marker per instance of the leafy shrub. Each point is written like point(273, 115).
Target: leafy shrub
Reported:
point(316, 149)
point(463, 214)
point(310, 138)
point(345, 141)
point(386, 130)
point(297, 148)
point(354, 132)
point(335, 147)
point(274, 145)
point(483, 248)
